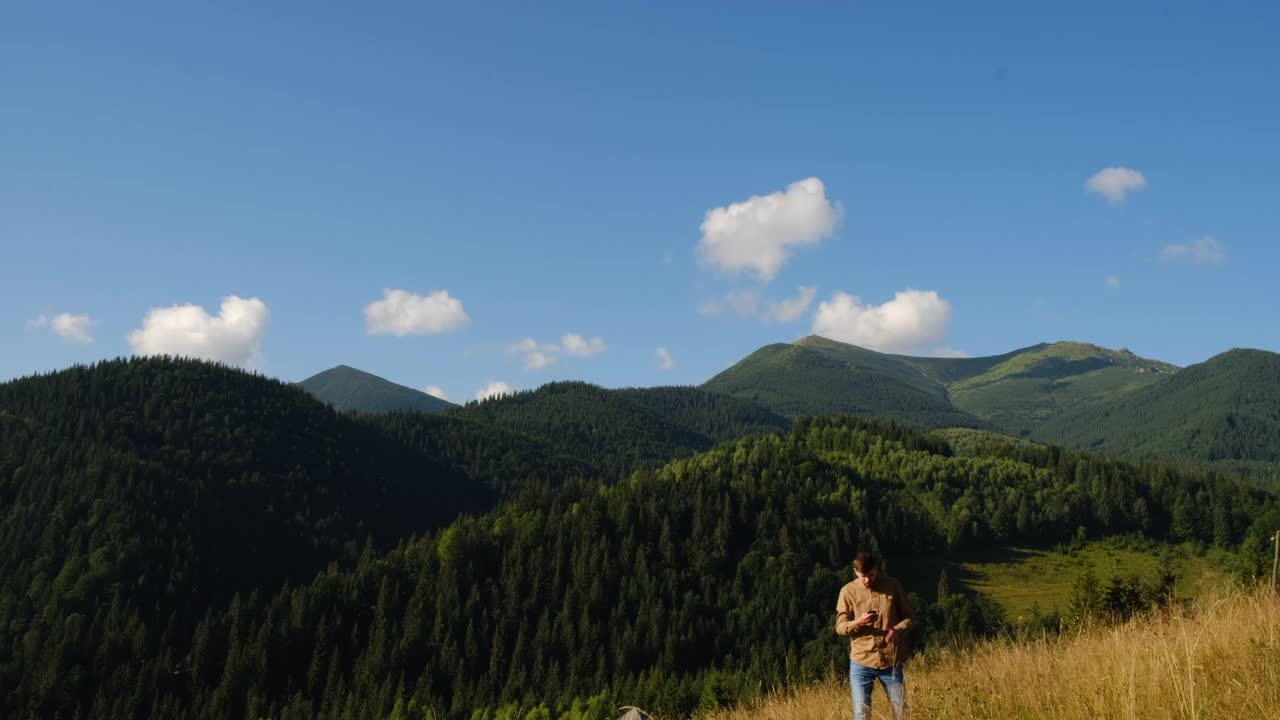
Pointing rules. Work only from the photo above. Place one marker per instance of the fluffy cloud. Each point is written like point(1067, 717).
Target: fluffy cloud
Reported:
point(402, 313)
point(437, 391)
point(1115, 183)
point(665, 361)
point(1205, 251)
point(538, 359)
point(535, 355)
point(791, 309)
point(72, 328)
point(575, 345)
point(234, 336)
point(756, 235)
point(912, 322)
point(539, 355)
point(495, 389)
point(1112, 281)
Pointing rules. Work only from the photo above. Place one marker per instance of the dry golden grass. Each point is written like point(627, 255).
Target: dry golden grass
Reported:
point(1218, 658)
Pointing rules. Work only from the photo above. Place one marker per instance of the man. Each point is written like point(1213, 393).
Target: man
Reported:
point(874, 614)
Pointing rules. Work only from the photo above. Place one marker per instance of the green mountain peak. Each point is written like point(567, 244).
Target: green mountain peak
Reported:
point(348, 388)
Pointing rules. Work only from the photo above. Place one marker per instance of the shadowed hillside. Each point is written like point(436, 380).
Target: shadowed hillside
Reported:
point(346, 388)
point(174, 484)
point(617, 431)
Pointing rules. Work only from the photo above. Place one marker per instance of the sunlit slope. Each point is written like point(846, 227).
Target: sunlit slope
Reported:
point(1224, 412)
point(1039, 383)
point(825, 378)
point(1011, 393)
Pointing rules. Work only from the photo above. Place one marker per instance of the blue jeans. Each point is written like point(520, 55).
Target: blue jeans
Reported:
point(862, 679)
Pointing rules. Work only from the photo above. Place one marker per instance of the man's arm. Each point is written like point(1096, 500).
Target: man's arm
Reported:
point(846, 625)
point(904, 609)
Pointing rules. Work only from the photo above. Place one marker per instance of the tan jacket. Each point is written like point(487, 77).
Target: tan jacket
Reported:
point(866, 644)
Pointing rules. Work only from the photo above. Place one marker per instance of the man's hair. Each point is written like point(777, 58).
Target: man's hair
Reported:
point(865, 562)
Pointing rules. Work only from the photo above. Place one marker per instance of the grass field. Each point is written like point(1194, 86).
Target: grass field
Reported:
point(1020, 578)
point(1215, 659)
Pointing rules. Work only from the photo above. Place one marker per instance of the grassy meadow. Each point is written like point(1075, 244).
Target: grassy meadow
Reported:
point(1019, 579)
point(1214, 658)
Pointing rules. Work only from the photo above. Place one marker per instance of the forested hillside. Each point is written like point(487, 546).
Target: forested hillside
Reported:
point(617, 431)
point(1224, 413)
point(171, 485)
point(147, 508)
point(506, 460)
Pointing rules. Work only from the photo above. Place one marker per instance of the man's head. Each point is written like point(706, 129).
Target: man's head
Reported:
point(867, 567)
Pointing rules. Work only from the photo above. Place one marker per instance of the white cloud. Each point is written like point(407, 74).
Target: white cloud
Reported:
point(437, 391)
point(948, 352)
point(1205, 251)
point(535, 356)
point(1115, 183)
point(403, 313)
point(72, 328)
point(539, 355)
point(791, 309)
point(574, 344)
point(495, 389)
point(913, 321)
point(538, 359)
point(711, 308)
point(234, 336)
point(665, 361)
point(1112, 281)
point(756, 235)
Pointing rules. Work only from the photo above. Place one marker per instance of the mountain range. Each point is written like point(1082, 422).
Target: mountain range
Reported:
point(1223, 413)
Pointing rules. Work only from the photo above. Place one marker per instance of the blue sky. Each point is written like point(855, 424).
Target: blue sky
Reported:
point(550, 167)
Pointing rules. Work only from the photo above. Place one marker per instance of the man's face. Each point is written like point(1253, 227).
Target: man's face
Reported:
point(868, 578)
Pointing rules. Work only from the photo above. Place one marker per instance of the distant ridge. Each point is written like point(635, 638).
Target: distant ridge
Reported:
point(1223, 413)
point(346, 388)
point(1023, 389)
point(817, 376)
point(1010, 393)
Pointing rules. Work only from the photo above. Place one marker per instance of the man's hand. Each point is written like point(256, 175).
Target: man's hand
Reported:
point(888, 637)
point(866, 619)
